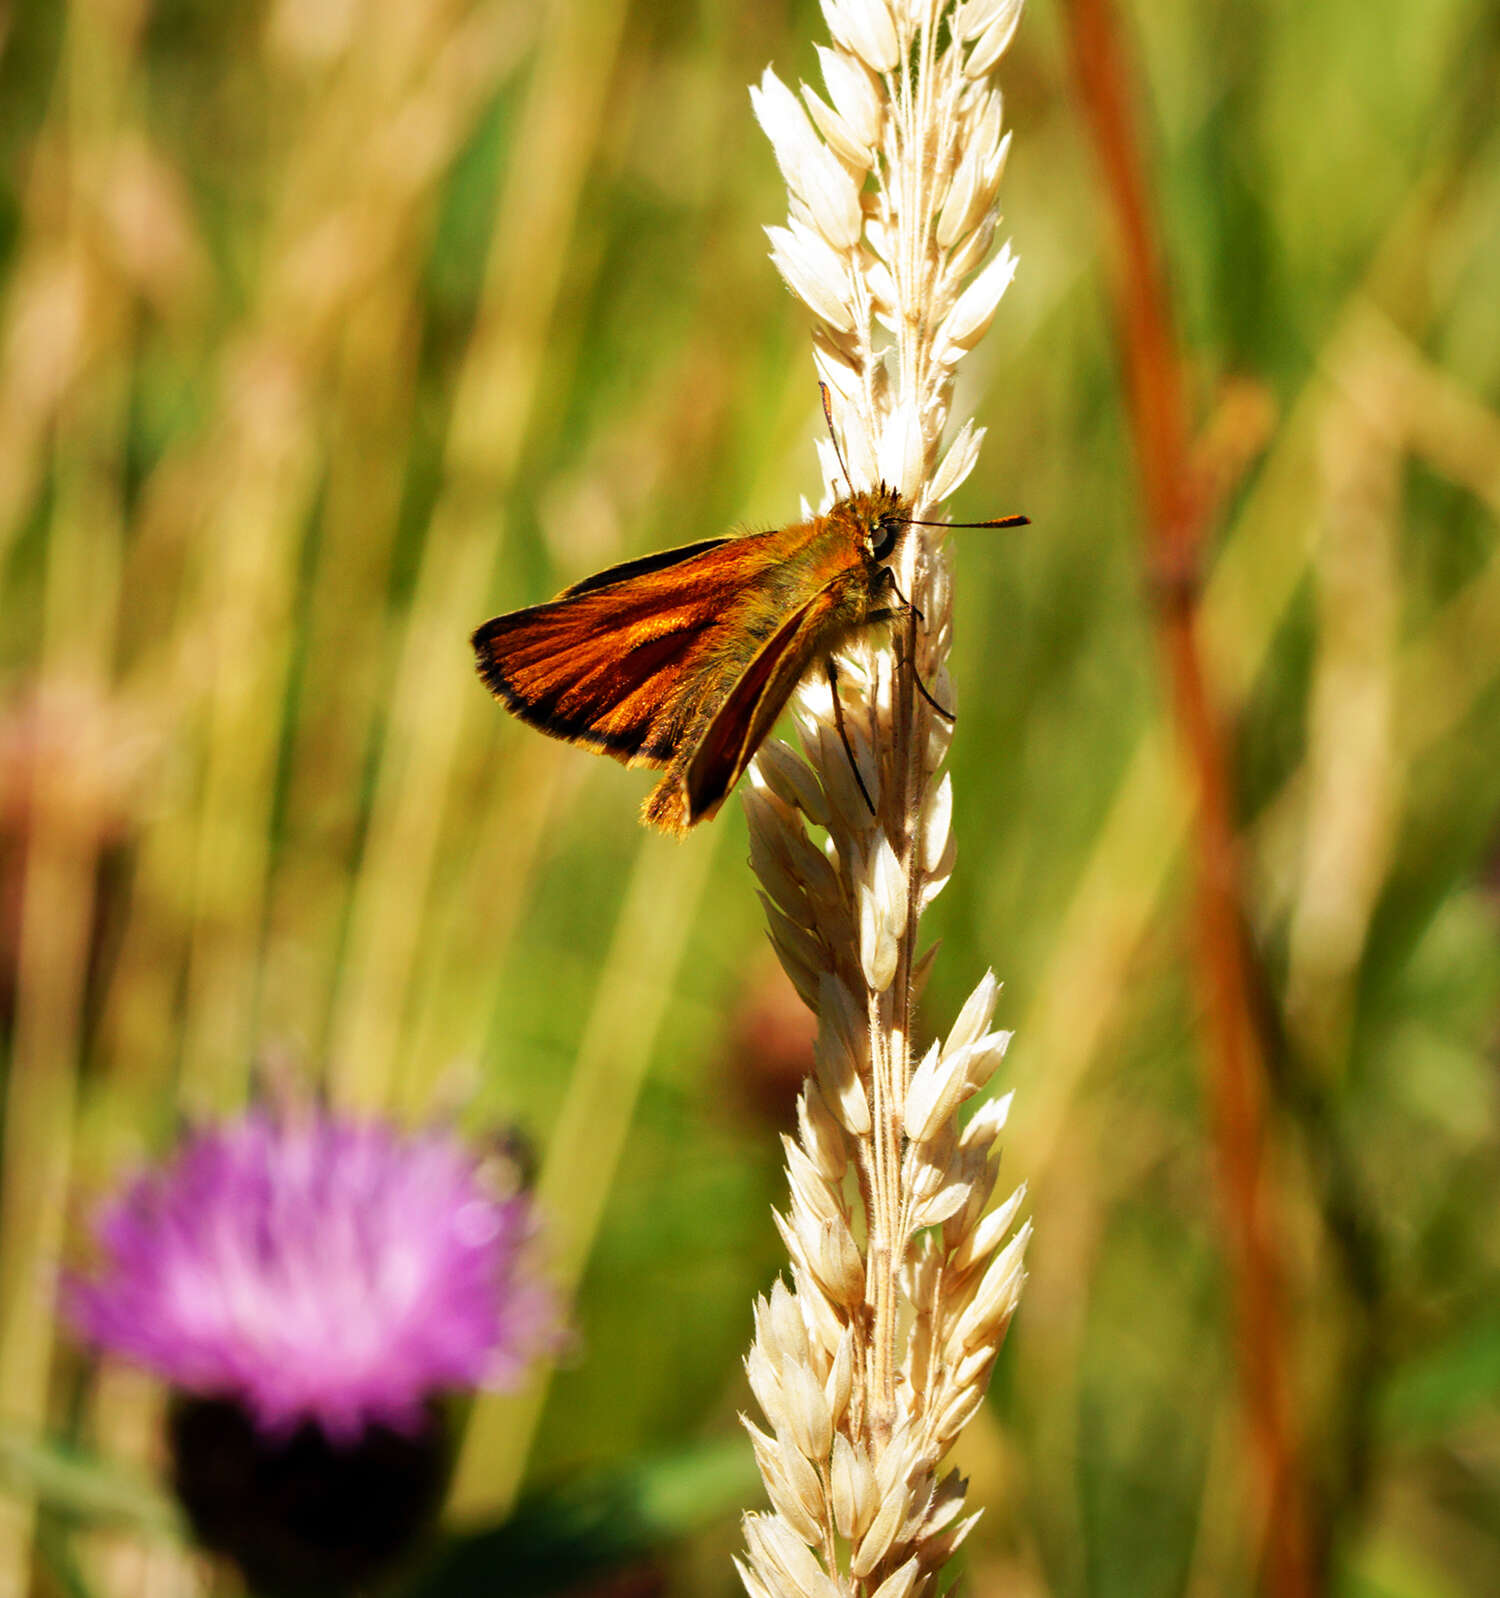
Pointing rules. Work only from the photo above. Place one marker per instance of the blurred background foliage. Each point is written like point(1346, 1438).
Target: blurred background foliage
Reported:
point(331, 328)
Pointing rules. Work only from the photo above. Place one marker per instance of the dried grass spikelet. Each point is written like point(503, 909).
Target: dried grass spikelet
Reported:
point(903, 1280)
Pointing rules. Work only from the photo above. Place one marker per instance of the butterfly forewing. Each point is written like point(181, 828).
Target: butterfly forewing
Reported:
point(642, 567)
point(621, 662)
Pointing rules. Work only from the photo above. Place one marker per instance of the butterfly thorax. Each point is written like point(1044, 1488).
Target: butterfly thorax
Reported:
point(840, 555)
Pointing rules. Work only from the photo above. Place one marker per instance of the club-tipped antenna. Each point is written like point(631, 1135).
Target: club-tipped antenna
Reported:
point(828, 417)
point(999, 521)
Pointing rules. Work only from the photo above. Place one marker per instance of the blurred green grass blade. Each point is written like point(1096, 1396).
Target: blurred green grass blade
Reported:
point(653, 934)
point(55, 1552)
point(555, 1539)
point(1438, 1390)
point(1395, 1568)
point(77, 1486)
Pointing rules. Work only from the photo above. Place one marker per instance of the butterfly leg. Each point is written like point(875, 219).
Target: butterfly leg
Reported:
point(947, 715)
point(908, 607)
point(896, 615)
point(838, 721)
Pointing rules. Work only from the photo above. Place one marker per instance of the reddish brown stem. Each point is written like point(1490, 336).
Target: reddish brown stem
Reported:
point(1175, 523)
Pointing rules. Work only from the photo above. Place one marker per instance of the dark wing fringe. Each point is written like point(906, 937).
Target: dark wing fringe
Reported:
point(640, 568)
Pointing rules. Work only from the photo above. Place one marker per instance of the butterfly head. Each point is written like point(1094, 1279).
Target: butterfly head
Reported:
point(878, 517)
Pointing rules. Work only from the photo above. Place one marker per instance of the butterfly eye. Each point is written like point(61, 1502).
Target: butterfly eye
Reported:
point(882, 539)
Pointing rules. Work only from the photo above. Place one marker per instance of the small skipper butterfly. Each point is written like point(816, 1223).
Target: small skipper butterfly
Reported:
point(686, 659)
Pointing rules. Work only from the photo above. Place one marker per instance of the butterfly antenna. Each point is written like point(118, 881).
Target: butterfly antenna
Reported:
point(828, 417)
point(1000, 521)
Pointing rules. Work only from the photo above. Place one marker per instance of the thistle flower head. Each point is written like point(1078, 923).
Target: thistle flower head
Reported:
point(313, 1268)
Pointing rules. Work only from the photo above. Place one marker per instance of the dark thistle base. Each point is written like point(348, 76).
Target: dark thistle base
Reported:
point(300, 1515)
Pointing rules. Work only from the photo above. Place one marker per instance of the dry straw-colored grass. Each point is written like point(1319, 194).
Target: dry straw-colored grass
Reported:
point(903, 1280)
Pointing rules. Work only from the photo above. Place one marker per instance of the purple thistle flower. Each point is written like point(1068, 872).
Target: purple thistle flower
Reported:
point(313, 1268)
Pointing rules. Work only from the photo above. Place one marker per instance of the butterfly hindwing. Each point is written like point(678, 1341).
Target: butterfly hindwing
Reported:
point(755, 703)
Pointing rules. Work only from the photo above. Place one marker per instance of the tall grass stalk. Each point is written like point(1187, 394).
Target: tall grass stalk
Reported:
point(393, 111)
point(870, 1364)
point(420, 80)
point(1261, 561)
point(1237, 1046)
point(57, 914)
point(70, 799)
point(651, 939)
point(493, 415)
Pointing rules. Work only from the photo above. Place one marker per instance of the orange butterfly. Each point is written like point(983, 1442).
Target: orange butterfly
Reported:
point(685, 659)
